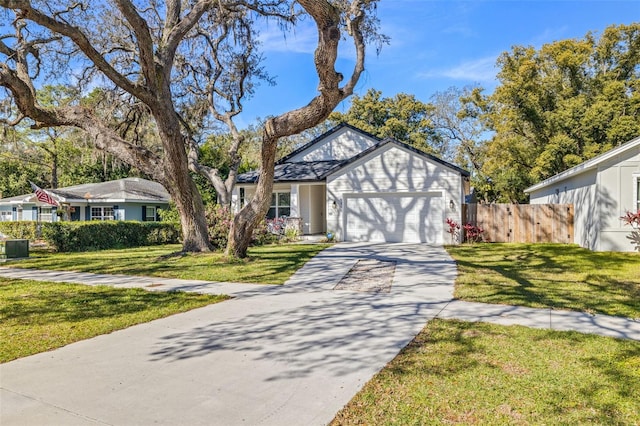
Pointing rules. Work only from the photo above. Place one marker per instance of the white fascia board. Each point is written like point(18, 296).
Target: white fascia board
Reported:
point(105, 200)
point(584, 167)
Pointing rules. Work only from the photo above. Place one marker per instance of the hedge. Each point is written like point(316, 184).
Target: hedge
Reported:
point(85, 236)
point(22, 230)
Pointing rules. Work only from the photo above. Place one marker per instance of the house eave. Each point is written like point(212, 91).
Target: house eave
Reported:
point(584, 167)
point(319, 181)
point(325, 135)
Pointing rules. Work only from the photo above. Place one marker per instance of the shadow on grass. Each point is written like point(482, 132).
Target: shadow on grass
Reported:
point(268, 264)
point(546, 376)
point(41, 304)
point(551, 276)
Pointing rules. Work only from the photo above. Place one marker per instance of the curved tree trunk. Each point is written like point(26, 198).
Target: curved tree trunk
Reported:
point(179, 182)
point(328, 19)
point(241, 231)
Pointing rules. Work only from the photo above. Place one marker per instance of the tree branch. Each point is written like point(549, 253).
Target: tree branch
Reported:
point(143, 40)
point(80, 40)
point(104, 138)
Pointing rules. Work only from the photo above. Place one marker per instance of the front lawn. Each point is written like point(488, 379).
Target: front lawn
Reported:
point(39, 316)
point(472, 373)
point(549, 276)
point(272, 264)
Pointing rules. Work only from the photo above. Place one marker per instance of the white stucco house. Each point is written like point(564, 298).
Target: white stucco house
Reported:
point(122, 199)
point(362, 188)
point(601, 190)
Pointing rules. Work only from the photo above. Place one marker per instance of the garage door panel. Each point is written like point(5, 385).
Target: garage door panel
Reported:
point(394, 219)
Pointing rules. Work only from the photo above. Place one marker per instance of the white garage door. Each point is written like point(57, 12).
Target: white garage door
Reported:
point(393, 218)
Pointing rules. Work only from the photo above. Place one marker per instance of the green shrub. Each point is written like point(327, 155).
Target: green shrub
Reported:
point(219, 220)
point(262, 235)
point(86, 236)
point(291, 233)
point(27, 230)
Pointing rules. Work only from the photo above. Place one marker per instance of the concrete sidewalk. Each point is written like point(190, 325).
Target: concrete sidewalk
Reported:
point(281, 355)
point(273, 355)
point(603, 325)
point(130, 281)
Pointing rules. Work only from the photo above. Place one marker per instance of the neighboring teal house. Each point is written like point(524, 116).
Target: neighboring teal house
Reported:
point(122, 199)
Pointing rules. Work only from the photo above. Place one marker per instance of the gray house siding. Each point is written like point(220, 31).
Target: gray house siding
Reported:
point(601, 194)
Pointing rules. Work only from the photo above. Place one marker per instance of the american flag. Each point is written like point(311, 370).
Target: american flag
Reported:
point(43, 195)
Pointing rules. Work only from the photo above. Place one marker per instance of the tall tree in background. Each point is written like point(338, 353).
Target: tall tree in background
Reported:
point(159, 59)
point(54, 156)
point(402, 117)
point(456, 120)
point(560, 105)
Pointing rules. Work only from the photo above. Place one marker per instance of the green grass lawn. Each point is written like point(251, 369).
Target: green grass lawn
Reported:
point(549, 275)
point(471, 373)
point(39, 316)
point(272, 264)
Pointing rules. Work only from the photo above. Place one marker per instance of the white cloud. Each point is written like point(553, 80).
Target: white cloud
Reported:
point(550, 35)
point(302, 38)
point(478, 70)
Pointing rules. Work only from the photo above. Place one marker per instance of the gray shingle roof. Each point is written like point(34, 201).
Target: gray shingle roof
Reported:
point(127, 189)
point(319, 170)
point(295, 172)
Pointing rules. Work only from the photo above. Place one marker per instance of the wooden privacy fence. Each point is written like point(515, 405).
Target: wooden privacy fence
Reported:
point(522, 223)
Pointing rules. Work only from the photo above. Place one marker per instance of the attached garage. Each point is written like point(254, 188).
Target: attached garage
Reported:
point(394, 193)
point(410, 218)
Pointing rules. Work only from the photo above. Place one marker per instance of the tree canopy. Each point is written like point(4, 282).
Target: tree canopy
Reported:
point(558, 106)
point(402, 117)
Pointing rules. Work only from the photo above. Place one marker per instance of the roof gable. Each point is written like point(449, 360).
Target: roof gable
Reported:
point(591, 164)
point(338, 144)
point(405, 146)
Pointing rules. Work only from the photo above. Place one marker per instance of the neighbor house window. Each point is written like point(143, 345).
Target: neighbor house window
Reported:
point(280, 205)
point(150, 214)
point(6, 216)
point(102, 213)
point(46, 214)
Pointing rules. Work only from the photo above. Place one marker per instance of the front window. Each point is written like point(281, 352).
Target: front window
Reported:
point(102, 213)
point(150, 214)
point(6, 216)
point(280, 205)
point(46, 214)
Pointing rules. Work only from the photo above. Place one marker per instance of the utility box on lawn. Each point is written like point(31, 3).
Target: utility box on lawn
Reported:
point(12, 249)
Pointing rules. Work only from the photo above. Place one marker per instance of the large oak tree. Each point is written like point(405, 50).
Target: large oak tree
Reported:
point(180, 63)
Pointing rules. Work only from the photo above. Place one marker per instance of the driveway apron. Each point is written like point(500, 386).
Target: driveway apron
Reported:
point(273, 355)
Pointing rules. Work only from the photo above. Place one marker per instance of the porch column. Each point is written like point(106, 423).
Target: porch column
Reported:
point(235, 200)
point(295, 203)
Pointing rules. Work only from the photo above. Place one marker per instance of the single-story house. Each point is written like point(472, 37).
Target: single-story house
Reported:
point(362, 188)
point(601, 190)
point(122, 199)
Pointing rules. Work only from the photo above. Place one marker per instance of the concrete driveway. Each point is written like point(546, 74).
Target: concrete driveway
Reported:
point(274, 355)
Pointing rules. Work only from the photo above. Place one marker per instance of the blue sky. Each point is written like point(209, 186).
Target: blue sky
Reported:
point(435, 44)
